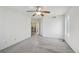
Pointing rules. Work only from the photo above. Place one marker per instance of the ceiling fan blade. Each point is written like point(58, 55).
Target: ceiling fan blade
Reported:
point(34, 14)
point(42, 14)
point(31, 11)
point(45, 11)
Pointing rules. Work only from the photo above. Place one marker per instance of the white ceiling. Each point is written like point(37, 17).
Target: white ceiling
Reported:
point(59, 10)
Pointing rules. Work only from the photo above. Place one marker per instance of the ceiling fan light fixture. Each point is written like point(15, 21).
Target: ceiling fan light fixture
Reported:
point(39, 9)
point(38, 13)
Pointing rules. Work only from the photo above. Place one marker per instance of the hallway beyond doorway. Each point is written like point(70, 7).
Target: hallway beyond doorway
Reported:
point(38, 44)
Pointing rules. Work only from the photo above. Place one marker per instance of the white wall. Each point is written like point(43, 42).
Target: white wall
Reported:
point(14, 26)
point(53, 27)
point(72, 28)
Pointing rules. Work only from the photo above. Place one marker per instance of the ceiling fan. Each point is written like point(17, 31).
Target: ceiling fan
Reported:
point(39, 11)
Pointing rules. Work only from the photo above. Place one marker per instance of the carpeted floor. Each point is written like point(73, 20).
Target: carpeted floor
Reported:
point(38, 44)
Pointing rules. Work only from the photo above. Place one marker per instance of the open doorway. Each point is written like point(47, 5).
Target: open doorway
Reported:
point(35, 27)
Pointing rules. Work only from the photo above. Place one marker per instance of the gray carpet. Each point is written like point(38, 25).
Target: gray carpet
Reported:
point(38, 44)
